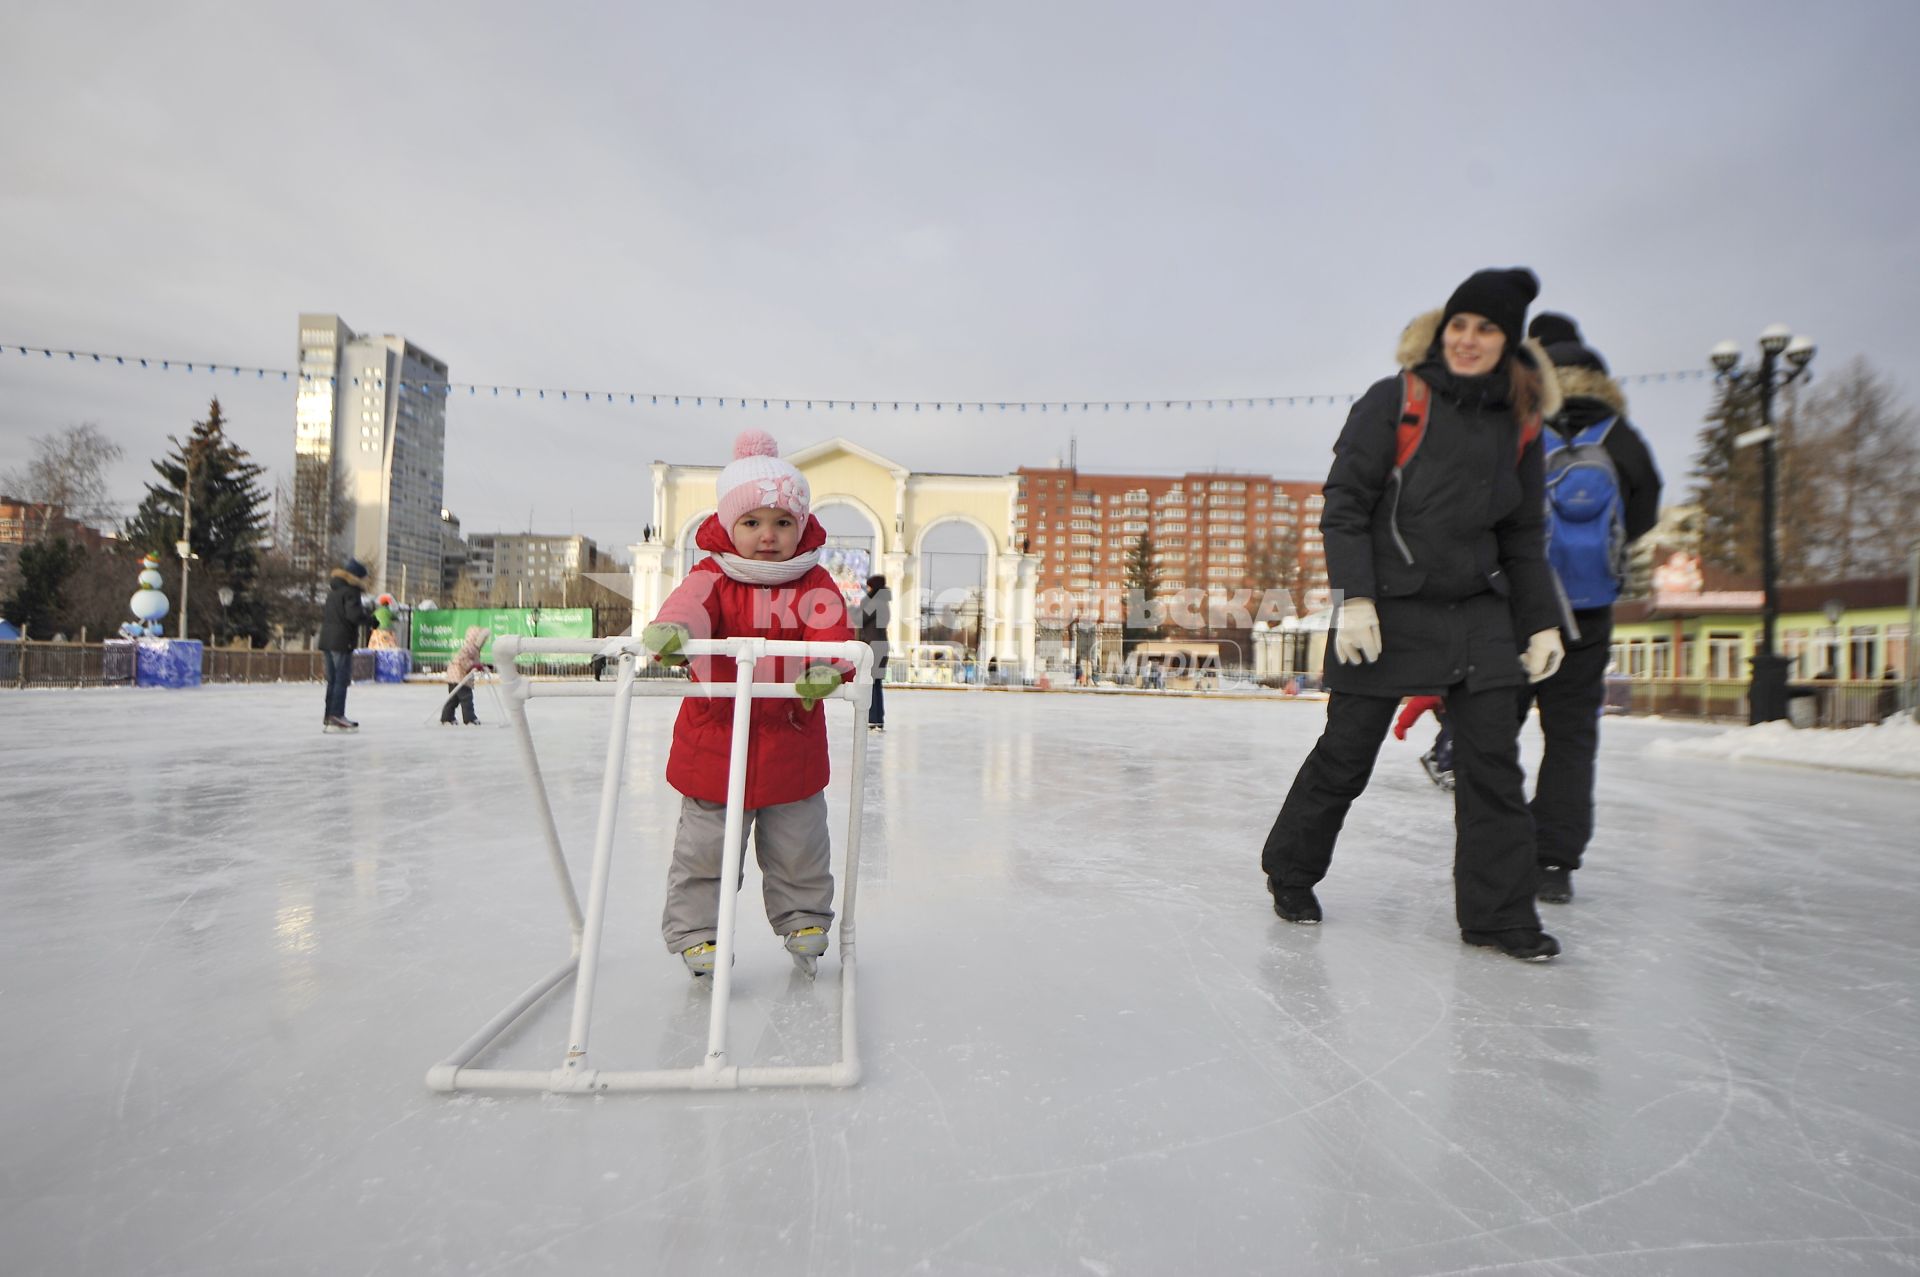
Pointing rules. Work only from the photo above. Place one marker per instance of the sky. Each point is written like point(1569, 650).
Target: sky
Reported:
point(983, 202)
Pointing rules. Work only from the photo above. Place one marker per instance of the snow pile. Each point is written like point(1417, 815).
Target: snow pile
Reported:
point(1891, 748)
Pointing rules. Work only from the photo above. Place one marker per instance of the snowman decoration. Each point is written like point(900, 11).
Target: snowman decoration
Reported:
point(148, 603)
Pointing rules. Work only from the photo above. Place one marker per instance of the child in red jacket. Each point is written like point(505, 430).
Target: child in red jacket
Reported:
point(1437, 761)
point(761, 579)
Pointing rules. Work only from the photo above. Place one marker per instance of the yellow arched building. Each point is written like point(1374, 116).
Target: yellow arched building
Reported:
point(852, 487)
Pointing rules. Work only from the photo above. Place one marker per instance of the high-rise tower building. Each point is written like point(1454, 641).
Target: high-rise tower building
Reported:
point(369, 451)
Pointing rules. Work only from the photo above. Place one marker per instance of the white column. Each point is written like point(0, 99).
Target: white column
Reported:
point(991, 609)
point(649, 581)
point(905, 605)
point(1024, 611)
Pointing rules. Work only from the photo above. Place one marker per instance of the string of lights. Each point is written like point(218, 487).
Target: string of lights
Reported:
point(636, 398)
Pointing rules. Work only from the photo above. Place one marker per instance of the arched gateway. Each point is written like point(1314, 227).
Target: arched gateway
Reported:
point(856, 491)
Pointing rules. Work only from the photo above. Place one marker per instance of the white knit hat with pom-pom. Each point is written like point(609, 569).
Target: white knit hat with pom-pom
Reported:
point(758, 477)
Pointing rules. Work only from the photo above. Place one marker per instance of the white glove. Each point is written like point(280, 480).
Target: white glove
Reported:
point(1357, 636)
point(1545, 651)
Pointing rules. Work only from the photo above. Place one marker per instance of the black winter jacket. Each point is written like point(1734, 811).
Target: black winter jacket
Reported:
point(1453, 554)
point(874, 615)
point(343, 617)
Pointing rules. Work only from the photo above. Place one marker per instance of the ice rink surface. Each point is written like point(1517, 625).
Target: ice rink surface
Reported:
point(230, 946)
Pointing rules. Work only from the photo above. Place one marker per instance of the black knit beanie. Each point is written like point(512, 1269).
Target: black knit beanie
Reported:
point(1565, 347)
point(1501, 295)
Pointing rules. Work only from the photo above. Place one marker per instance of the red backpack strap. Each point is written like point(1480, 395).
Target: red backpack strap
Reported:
point(1529, 431)
point(1415, 401)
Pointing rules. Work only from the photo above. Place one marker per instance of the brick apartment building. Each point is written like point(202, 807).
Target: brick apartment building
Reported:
point(1218, 532)
point(24, 523)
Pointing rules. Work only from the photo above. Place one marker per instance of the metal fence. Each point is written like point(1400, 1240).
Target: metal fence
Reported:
point(32, 664)
point(243, 665)
point(28, 664)
point(1822, 703)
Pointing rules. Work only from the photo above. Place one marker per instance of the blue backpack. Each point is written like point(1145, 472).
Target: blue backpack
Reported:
point(1586, 518)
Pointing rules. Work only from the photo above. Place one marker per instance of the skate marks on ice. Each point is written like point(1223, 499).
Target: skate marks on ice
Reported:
point(1090, 1045)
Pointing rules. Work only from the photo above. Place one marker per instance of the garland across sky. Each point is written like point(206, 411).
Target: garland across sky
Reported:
point(759, 402)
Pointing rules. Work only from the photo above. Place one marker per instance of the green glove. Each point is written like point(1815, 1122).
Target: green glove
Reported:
point(817, 684)
point(663, 639)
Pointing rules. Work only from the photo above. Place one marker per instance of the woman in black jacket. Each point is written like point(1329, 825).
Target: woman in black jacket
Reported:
point(1434, 532)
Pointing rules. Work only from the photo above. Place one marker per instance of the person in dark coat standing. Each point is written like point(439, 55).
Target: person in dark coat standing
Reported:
point(1439, 560)
point(1570, 702)
point(876, 610)
point(341, 620)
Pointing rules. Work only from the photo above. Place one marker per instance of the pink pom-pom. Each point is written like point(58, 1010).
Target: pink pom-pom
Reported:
point(755, 443)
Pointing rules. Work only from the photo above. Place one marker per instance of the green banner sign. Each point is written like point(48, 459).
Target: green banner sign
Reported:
point(437, 634)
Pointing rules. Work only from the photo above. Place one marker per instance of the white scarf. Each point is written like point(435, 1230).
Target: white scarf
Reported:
point(761, 572)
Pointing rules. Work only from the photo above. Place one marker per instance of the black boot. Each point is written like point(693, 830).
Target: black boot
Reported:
point(1295, 904)
point(1556, 885)
point(1527, 944)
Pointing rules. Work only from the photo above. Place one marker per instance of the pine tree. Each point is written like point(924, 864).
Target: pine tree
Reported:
point(1726, 486)
point(1143, 584)
point(229, 525)
point(37, 604)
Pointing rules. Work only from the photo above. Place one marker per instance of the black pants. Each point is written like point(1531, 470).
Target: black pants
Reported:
point(460, 694)
point(877, 708)
point(1570, 704)
point(339, 675)
point(1493, 861)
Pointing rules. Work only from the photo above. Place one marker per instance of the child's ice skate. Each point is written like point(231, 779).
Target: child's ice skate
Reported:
point(1440, 776)
point(806, 945)
point(699, 958)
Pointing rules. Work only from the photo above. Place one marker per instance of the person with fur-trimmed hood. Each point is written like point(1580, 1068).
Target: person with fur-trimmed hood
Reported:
point(1438, 558)
point(1596, 458)
point(342, 618)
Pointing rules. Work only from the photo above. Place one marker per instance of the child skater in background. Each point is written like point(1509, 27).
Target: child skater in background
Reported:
point(762, 579)
point(460, 676)
point(1438, 761)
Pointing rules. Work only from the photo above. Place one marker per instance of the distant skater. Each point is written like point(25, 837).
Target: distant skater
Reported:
point(461, 672)
point(1435, 543)
point(876, 613)
point(1438, 760)
point(342, 618)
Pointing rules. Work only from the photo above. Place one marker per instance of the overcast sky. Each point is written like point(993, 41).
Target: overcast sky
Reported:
point(979, 201)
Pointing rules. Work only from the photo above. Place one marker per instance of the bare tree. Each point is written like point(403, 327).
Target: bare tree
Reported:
point(1275, 564)
point(67, 470)
point(1865, 511)
point(315, 514)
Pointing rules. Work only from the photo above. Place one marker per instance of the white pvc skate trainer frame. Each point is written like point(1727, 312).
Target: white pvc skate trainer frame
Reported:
point(575, 1075)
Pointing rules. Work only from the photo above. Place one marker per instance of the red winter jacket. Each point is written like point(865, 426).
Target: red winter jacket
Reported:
point(1416, 706)
point(787, 751)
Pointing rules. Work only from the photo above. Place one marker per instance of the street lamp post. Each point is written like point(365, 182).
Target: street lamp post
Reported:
point(1767, 693)
point(184, 547)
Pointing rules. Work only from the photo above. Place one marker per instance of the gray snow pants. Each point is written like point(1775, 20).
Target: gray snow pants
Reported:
point(795, 852)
